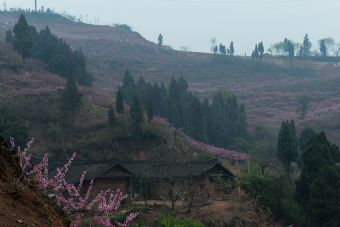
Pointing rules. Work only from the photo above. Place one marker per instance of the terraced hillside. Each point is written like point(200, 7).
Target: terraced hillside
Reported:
point(270, 91)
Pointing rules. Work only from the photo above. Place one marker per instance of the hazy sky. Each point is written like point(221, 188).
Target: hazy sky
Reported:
point(192, 23)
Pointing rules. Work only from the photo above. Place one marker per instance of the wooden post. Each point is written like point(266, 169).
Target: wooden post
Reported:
point(35, 5)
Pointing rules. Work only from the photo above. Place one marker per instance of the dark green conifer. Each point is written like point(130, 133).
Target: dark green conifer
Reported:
point(9, 37)
point(119, 101)
point(128, 87)
point(231, 49)
point(23, 41)
point(71, 100)
point(150, 111)
point(287, 147)
point(137, 116)
point(112, 119)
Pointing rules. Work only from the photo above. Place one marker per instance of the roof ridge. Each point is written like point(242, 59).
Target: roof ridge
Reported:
point(169, 162)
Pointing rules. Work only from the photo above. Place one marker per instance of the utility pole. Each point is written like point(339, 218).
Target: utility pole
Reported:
point(35, 5)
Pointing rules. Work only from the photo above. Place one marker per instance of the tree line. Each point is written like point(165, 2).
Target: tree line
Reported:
point(45, 46)
point(218, 121)
point(327, 47)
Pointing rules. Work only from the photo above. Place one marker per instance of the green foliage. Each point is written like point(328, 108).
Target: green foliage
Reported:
point(277, 49)
point(305, 136)
point(128, 87)
point(261, 50)
point(11, 125)
point(23, 41)
point(324, 203)
point(150, 112)
point(231, 49)
point(303, 106)
point(9, 37)
point(291, 211)
point(112, 119)
point(307, 45)
point(204, 157)
point(160, 40)
point(319, 152)
point(137, 116)
point(178, 222)
point(43, 45)
point(221, 183)
point(262, 148)
point(323, 48)
point(278, 197)
point(215, 49)
point(222, 49)
point(226, 120)
point(287, 145)
point(71, 101)
point(256, 54)
point(254, 185)
point(60, 58)
point(218, 123)
point(119, 101)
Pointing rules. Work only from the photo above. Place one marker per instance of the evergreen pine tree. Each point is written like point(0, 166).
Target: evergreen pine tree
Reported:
point(150, 111)
point(294, 138)
point(182, 85)
point(112, 119)
point(256, 53)
point(323, 48)
point(160, 40)
point(128, 87)
point(231, 49)
point(163, 101)
point(137, 116)
point(23, 41)
point(287, 148)
point(261, 50)
point(175, 113)
point(289, 49)
point(304, 138)
point(323, 207)
point(71, 100)
point(222, 49)
point(119, 101)
point(215, 49)
point(319, 152)
point(9, 37)
point(306, 46)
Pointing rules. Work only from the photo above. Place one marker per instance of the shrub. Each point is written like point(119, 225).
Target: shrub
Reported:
point(11, 125)
point(278, 197)
point(178, 222)
point(292, 212)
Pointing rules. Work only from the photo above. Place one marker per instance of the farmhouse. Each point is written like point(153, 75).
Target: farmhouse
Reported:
point(160, 179)
point(106, 175)
point(152, 179)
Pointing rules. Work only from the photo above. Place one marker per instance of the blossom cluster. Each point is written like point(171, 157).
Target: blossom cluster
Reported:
point(69, 196)
point(221, 152)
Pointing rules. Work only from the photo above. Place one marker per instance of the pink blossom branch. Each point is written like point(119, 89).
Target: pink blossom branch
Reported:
point(68, 196)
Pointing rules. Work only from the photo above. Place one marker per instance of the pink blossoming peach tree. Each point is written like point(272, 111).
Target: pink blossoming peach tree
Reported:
point(69, 196)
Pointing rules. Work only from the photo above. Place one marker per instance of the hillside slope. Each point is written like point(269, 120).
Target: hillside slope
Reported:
point(34, 94)
point(23, 205)
point(270, 91)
